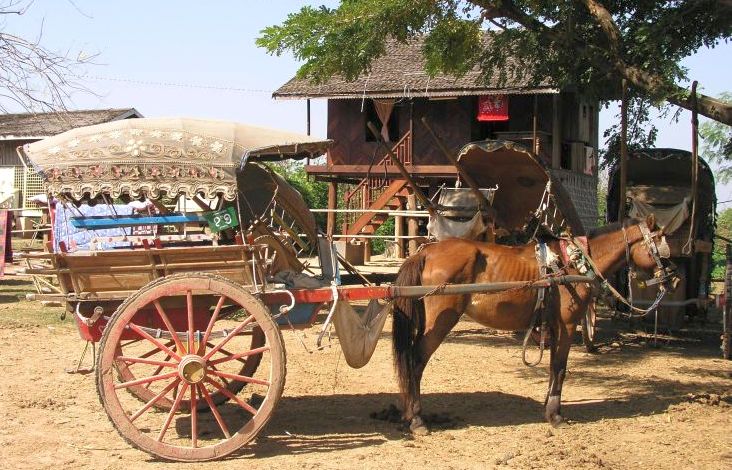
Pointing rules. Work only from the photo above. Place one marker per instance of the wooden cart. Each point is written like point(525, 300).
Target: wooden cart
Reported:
point(191, 360)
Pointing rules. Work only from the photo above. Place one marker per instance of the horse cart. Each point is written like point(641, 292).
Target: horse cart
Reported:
point(186, 305)
point(663, 182)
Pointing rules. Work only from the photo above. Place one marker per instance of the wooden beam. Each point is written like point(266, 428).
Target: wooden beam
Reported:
point(482, 200)
point(360, 171)
point(332, 203)
point(405, 174)
point(623, 151)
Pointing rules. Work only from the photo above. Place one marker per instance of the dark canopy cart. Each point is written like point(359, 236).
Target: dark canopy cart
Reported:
point(660, 182)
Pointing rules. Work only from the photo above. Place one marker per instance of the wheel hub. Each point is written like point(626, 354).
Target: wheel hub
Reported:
point(192, 369)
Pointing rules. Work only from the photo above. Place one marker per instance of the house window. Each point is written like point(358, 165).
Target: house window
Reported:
point(370, 115)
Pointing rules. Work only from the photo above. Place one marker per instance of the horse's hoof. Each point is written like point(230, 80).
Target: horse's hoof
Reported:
point(557, 421)
point(551, 414)
point(418, 428)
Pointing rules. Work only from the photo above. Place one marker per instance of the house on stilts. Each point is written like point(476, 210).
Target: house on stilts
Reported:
point(560, 125)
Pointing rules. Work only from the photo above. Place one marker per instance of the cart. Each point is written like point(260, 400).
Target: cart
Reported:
point(660, 182)
point(191, 361)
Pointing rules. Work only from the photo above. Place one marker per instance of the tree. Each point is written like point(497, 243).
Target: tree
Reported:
point(719, 256)
point(32, 77)
point(717, 144)
point(590, 44)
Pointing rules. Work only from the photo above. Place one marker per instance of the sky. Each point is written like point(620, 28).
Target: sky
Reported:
point(198, 59)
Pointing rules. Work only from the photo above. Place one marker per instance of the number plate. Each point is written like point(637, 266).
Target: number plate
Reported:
point(221, 220)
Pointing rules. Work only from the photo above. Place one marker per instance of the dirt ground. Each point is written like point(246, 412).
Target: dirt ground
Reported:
point(629, 406)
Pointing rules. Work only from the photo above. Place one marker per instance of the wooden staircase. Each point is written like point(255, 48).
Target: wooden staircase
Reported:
point(378, 193)
point(368, 222)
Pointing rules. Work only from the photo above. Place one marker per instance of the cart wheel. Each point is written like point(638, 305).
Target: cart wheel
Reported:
point(143, 393)
point(202, 360)
point(272, 256)
point(589, 329)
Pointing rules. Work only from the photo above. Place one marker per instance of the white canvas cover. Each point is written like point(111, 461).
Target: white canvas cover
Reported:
point(668, 218)
point(443, 228)
point(358, 334)
point(150, 155)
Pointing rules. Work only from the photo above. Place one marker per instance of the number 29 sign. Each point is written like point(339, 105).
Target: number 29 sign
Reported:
point(221, 220)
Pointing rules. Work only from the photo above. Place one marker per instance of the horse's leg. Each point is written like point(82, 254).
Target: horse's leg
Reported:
point(441, 315)
point(557, 371)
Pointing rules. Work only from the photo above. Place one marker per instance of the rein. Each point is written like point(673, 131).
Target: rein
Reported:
point(605, 284)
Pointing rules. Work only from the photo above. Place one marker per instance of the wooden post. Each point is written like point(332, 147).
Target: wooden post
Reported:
point(332, 204)
point(399, 230)
point(535, 125)
point(556, 131)
point(688, 247)
point(308, 117)
point(412, 224)
point(366, 250)
point(623, 151)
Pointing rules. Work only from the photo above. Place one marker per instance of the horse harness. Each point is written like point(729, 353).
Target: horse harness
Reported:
point(575, 253)
point(548, 264)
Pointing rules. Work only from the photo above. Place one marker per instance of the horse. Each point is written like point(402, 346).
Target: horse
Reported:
point(420, 325)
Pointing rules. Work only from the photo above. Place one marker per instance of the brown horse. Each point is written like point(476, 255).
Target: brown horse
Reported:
point(421, 325)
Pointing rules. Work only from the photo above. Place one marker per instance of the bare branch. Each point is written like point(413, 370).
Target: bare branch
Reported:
point(33, 77)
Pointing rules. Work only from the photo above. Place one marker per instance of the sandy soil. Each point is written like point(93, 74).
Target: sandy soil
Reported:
point(630, 406)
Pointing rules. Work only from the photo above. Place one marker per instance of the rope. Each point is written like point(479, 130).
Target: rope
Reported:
point(618, 296)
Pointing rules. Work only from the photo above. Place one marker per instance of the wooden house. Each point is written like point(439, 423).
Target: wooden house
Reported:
point(20, 129)
point(559, 124)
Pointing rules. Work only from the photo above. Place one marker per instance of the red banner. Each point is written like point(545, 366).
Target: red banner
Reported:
point(493, 108)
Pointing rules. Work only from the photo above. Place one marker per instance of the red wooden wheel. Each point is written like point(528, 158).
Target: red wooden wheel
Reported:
point(249, 366)
point(186, 362)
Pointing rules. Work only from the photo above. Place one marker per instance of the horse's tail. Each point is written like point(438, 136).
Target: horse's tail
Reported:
point(408, 325)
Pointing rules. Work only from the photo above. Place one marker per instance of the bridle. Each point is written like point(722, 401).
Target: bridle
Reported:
point(665, 275)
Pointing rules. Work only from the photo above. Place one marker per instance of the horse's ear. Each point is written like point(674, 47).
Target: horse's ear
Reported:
point(651, 221)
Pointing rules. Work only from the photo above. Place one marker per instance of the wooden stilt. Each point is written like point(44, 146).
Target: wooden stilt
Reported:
point(412, 224)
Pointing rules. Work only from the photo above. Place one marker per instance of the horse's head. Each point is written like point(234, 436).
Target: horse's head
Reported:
point(651, 253)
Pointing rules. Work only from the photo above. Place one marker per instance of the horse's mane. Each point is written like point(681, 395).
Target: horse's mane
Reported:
point(613, 227)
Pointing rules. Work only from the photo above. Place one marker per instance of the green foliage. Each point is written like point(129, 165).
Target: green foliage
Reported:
point(716, 144)
point(561, 42)
point(315, 193)
point(378, 245)
point(724, 229)
point(641, 133)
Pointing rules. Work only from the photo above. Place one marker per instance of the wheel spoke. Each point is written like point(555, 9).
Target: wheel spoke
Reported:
point(145, 380)
point(232, 357)
point(225, 352)
point(189, 308)
point(140, 360)
point(214, 410)
point(173, 410)
point(157, 371)
point(154, 341)
point(154, 351)
point(213, 319)
point(169, 325)
point(194, 417)
point(154, 399)
point(226, 339)
point(231, 396)
point(240, 378)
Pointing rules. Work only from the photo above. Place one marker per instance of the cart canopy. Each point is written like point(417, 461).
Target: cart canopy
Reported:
point(522, 186)
point(155, 155)
point(660, 182)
